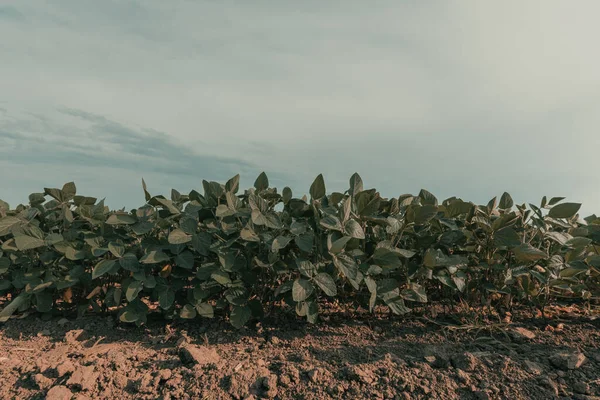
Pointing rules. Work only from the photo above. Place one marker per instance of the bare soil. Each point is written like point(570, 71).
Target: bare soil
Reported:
point(347, 356)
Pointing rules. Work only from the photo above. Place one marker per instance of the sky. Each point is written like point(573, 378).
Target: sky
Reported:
point(462, 98)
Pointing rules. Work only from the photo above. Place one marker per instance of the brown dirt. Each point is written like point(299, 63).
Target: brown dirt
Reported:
point(344, 357)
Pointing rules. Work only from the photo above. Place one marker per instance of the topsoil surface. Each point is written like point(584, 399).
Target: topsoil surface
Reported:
point(522, 356)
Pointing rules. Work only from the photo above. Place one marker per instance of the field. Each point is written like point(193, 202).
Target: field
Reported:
point(345, 357)
point(257, 293)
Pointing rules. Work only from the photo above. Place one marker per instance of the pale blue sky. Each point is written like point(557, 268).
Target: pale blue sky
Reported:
point(464, 98)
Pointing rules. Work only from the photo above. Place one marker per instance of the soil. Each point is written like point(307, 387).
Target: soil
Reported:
point(346, 356)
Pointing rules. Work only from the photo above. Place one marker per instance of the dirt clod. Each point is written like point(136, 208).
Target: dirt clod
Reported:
point(567, 360)
point(59, 393)
point(202, 355)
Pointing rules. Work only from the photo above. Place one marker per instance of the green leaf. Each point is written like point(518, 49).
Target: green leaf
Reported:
point(154, 257)
point(427, 198)
point(306, 267)
point(103, 267)
point(221, 277)
point(24, 242)
point(7, 223)
point(262, 182)
point(117, 249)
point(121, 219)
point(353, 229)
point(331, 222)
point(356, 184)
point(415, 293)
point(233, 184)
point(506, 202)
point(326, 283)
point(346, 265)
point(280, 242)
point(205, 310)
point(564, 210)
point(239, 316)
point(185, 260)
point(129, 262)
point(13, 306)
point(527, 253)
point(188, 311)
point(317, 189)
point(287, 195)
point(506, 237)
point(237, 296)
point(177, 236)
point(166, 298)
point(133, 290)
point(555, 200)
point(305, 242)
point(302, 289)
point(146, 194)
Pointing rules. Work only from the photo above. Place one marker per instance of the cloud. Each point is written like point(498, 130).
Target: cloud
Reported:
point(463, 98)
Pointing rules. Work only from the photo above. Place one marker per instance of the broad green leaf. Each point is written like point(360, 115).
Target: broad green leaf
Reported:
point(13, 306)
point(188, 311)
point(154, 257)
point(103, 267)
point(239, 316)
point(353, 229)
point(356, 185)
point(564, 210)
point(205, 310)
point(262, 182)
point(317, 189)
point(233, 184)
point(506, 201)
point(280, 242)
point(306, 267)
point(177, 236)
point(326, 283)
point(117, 249)
point(346, 265)
point(415, 292)
point(506, 237)
point(121, 219)
point(302, 289)
point(24, 242)
point(7, 223)
point(134, 288)
point(527, 253)
point(166, 298)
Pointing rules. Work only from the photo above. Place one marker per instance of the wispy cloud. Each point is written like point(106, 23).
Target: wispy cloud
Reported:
point(463, 98)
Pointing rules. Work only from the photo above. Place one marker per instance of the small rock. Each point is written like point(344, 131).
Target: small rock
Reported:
point(481, 395)
point(581, 388)
point(521, 334)
point(202, 355)
point(165, 374)
point(84, 378)
point(567, 360)
point(313, 375)
point(59, 393)
point(465, 361)
point(42, 382)
point(533, 367)
point(65, 367)
point(463, 377)
point(270, 384)
point(275, 340)
point(76, 335)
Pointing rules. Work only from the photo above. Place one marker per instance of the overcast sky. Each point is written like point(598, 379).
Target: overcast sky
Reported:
point(464, 98)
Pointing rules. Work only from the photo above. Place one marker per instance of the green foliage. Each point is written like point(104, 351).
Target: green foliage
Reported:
point(228, 254)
